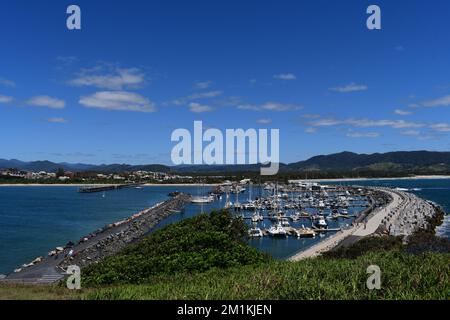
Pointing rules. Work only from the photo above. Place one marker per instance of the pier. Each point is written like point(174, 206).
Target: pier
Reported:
point(91, 189)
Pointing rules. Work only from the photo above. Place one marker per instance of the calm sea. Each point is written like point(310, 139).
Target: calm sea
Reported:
point(34, 220)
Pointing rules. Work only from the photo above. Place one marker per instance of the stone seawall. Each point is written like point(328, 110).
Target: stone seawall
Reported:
point(411, 215)
point(116, 236)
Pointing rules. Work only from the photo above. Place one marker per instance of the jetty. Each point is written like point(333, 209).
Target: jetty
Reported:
point(97, 188)
point(94, 247)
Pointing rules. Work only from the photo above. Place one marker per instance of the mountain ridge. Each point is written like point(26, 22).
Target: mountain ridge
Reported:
point(342, 161)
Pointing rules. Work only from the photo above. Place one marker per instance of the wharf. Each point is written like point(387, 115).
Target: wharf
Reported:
point(91, 189)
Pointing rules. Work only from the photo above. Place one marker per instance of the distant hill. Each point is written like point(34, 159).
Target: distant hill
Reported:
point(400, 161)
point(49, 166)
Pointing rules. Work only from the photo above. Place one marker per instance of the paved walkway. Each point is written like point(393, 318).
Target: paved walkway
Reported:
point(352, 235)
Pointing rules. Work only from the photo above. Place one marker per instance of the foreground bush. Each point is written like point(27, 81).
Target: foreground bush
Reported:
point(192, 245)
point(366, 245)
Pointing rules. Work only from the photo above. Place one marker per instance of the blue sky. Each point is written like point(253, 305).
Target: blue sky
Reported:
point(114, 91)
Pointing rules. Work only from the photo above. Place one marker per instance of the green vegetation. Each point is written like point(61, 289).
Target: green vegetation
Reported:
point(363, 246)
point(35, 292)
point(192, 245)
point(403, 276)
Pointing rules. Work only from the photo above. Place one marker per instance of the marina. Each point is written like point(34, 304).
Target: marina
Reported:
point(299, 210)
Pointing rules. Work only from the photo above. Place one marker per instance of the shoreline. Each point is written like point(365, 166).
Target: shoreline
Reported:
point(419, 177)
point(101, 184)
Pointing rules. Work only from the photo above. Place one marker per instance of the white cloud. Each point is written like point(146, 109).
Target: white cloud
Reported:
point(46, 101)
point(202, 84)
point(401, 112)
point(311, 130)
point(443, 101)
point(198, 108)
point(7, 83)
point(440, 127)
point(328, 122)
point(270, 106)
point(264, 121)
point(119, 101)
point(352, 87)
point(205, 95)
point(411, 133)
point(5, 99)
point(397, 124)
point(285, 76)
point(56, 120)
point(310, 116)
point(353, 134)
point(197, 96)
point(113, 79)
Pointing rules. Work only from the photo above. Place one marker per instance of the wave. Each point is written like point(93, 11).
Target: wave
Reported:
point(444, 229)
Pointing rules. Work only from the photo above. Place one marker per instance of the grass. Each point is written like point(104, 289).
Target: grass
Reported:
point(404, 276)
point(37, 292)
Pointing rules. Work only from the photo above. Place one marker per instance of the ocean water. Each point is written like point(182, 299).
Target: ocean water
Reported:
point(34, 220)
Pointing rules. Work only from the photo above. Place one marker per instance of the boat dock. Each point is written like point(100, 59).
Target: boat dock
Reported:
point(303, 232)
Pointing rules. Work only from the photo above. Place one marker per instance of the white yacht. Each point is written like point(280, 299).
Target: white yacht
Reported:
point(203, 199)
point(285, 223)
point(305, 232)
point(255, 233)
point(296, 216)
point(321, 223)
point(257, 217)
point(277, 230)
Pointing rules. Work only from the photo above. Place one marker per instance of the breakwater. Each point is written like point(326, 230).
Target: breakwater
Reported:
point(97, 245)
point(116, 236)
point(394, 212)
point(410, 215)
